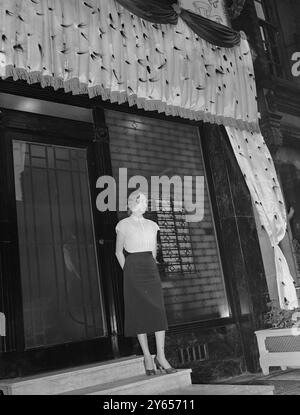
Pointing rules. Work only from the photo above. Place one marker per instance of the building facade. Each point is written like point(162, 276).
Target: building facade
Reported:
point(60, 283)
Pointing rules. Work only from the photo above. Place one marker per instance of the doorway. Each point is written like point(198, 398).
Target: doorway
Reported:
point(61, 285)
point(60, 300)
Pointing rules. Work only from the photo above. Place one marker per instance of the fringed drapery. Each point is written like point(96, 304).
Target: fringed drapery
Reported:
point(168, 11)
point(100, 48)
point(257, 166)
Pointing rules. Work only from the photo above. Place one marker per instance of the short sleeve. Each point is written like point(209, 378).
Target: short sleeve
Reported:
point(156, 226)
point(120, 227)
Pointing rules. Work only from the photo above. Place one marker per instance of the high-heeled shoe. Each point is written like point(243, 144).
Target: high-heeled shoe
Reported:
point(163, 369)
point(149, 372)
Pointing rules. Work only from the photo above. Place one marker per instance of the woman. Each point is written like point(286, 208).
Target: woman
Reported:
point(143, 296)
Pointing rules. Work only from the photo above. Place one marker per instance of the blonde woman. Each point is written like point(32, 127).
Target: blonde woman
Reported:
point(143, 295)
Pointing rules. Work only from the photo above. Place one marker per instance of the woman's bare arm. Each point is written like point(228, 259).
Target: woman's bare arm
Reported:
point(119, 248)
point(154, 251)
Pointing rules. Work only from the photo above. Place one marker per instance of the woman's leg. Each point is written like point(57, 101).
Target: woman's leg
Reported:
point(160, 349)
point(143, 340)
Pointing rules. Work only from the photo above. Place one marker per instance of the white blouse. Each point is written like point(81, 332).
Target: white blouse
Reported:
point(140, 233)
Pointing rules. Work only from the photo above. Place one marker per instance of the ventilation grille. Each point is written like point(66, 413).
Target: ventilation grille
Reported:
point(283, 344)
point(193, 353)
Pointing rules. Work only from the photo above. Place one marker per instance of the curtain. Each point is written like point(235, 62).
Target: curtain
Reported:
point(257, 166)
point(168, 11)
point(99, 48)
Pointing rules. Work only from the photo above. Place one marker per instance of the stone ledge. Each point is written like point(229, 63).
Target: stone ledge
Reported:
point(225, 390)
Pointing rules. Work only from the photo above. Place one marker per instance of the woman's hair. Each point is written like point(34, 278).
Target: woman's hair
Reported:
point(133, 200)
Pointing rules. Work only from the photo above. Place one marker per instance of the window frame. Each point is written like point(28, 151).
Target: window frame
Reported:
point(270, 46)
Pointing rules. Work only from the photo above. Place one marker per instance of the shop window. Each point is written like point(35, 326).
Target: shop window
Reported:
point(188, 252)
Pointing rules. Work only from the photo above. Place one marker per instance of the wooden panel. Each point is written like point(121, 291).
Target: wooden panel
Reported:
point(46, 127)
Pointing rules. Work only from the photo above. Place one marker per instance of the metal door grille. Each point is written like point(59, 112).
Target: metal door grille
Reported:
point(59, 271)
point(175, 253)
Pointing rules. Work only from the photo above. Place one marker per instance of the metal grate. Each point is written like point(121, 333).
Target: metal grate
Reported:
point(196, 352)
point(283, 344)
point(175, 253)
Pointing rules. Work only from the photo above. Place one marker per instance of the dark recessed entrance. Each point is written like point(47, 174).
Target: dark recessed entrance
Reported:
point(59, 289)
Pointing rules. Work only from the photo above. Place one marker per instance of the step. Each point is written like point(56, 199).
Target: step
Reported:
point(57, 382)
point(139, 385)
point(214, 389)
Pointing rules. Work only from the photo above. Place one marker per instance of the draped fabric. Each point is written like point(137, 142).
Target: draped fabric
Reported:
point(100, 48)
point(257, 166)
point(211, 31)
point(155, 11)
point(163, 11)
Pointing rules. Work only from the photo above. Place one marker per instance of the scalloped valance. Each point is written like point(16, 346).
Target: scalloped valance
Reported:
point(168, 12)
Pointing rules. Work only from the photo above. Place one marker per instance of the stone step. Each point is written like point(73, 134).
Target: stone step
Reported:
point(139, 385)
point(214, 389)
point(57, 382)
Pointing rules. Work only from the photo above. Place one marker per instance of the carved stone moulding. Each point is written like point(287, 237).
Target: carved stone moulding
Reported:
point(234, 8)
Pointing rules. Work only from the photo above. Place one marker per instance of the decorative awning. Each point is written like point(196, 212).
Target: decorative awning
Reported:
point(100, 48)
point(103, 49)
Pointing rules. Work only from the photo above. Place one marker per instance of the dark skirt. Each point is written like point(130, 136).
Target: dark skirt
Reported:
point(143, 295)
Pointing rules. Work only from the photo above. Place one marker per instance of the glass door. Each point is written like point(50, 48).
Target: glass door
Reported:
point(61, 288)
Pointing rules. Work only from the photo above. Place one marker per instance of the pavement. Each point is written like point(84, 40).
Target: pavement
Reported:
point(286, 382)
